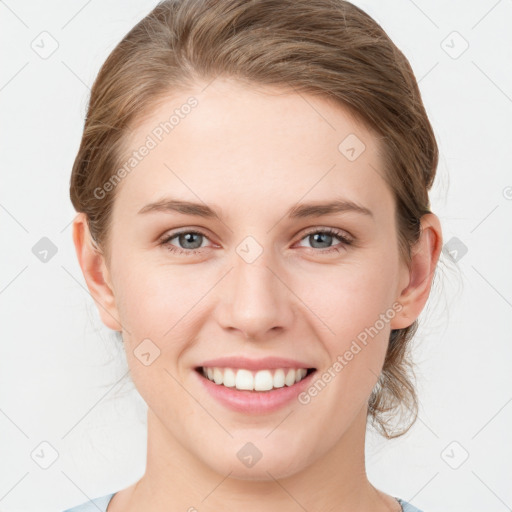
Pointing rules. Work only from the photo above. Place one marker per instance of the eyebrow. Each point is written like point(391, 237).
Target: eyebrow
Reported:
point(315, 209)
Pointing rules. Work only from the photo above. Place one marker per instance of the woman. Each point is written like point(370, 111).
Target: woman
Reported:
point(252, 188)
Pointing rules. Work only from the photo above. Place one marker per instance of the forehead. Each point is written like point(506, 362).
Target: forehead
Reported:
point(236, 145)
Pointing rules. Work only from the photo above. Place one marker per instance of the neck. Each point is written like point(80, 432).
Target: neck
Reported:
point(175, 479)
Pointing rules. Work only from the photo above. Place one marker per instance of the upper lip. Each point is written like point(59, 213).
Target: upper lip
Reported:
point(266, 363)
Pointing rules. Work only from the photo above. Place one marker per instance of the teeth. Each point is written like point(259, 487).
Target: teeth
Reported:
point(263, 380)
point(299, 375)
point(244, 380)
point(289, 379)
point(229, 379)
point(279, 378)
point(218, 377)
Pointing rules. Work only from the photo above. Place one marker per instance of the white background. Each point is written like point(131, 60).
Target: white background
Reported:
point(59, 366)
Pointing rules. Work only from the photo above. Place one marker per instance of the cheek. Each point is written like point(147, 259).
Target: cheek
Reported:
point(156, 307)
point(354, 304)
point(356, 351)
point(154, 300)
point(157, 301)
point(348, 298)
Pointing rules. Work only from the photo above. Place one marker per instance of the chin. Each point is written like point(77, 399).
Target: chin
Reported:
point(267, 468)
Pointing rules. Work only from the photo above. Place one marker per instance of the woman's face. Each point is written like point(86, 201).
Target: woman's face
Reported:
point(267, 276)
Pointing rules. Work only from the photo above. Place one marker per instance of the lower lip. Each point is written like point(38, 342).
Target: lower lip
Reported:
point(254, 402)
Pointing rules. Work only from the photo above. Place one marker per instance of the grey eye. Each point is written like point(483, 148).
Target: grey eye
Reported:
point(189, 240)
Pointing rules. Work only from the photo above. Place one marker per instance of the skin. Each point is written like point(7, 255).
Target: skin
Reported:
point(251, 153)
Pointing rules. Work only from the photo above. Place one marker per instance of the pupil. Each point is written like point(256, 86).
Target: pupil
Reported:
point(316, 235)
point(188, 238)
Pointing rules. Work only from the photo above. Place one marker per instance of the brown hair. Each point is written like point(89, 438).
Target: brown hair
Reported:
point(329, 48)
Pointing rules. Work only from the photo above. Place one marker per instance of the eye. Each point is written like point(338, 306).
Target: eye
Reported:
point(324, 237)
point(190, 240)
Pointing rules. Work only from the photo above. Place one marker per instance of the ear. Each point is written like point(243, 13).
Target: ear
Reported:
point(425, 255)
point(95, 271)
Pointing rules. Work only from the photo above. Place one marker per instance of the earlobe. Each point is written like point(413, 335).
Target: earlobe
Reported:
point(425, 255)
point(95, 271)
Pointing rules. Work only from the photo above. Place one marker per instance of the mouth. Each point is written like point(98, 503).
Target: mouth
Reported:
point(254, 386)
point(261, 381)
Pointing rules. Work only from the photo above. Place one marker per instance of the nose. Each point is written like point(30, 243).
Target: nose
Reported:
point(255, 299)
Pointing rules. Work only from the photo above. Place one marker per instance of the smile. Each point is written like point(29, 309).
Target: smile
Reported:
point(261, 380)
point(254, 386)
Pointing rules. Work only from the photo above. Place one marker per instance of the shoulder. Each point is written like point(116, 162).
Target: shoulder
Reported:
point(96, 505)
point(407, 507)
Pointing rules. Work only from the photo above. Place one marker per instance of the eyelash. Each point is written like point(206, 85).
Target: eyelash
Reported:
point(189, 252)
